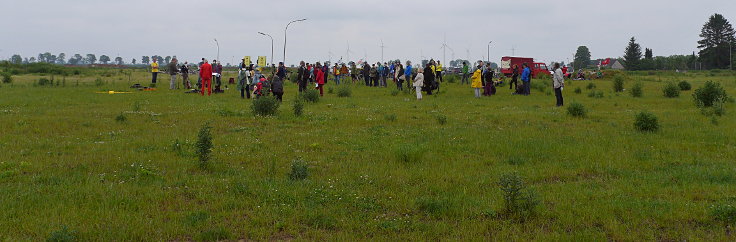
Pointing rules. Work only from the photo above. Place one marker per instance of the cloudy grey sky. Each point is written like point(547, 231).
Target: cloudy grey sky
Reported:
point(546, 30)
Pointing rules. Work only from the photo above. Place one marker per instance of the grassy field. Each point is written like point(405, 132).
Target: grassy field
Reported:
point(87, 166)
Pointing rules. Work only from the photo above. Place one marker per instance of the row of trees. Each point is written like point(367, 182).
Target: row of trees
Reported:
point(89, 59)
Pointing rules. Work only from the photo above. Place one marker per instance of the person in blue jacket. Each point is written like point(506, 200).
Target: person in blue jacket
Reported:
point(408, 74)
point(526, 75)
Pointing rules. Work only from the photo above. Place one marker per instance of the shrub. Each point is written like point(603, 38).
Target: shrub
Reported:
point(709, 94)
point(310, 95)
point(394, 92)
point(725, 213)
point(409, 153)
point(577, 110)
point(204, 146)
point(62, 235)
point(590, 86)
point(265, 106)
point(330, 90)
point(618, 84)
point(596, 94)
point(344, 91)
point(684, 86)
point(44, 81)
point(298, 170)
point(636, 90)
point(217, 234)
point(99, 82)
point(390, 117)
point(646, 122)
point(7, 78)
point(671, 90)
point(578, 90)
point(298, 107)
point(121, 118)
point(518, 199)
point(433, 206)
point(441, 119)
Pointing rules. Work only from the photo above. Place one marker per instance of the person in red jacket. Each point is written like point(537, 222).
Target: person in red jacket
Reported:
point(320, 77)
point(206, 74)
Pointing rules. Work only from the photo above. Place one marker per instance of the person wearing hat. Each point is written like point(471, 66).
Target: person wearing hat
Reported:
point(206, 74)
point(185, 75)
point(244, 82)
point(154, 70)
point(418, 83)
point(172, 69)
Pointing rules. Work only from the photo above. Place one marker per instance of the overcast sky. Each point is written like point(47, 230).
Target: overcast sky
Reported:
point(546, 30)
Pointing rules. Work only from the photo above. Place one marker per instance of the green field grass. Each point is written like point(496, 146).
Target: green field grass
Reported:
point(69, 168)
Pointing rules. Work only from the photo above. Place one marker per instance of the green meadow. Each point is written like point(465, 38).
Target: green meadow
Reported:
point(81, 165)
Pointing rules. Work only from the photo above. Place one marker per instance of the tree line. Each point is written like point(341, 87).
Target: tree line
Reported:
point(89, 59)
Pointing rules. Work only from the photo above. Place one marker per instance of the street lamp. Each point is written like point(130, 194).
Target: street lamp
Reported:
point(285, 29)
point(489, 51)
point(264, 34)
point(218, 49)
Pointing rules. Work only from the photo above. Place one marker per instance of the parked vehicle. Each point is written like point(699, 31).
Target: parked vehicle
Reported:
point(507, 62)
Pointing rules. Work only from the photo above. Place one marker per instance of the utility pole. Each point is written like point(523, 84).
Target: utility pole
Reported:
point(489, 51)
point(285, 29)
point(382, 46)
point(513, 50)
point(218, 49)
point(264, 34)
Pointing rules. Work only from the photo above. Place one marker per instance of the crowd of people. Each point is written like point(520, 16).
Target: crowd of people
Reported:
point(251, 81)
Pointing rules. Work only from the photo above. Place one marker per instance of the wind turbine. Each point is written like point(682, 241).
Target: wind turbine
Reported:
point(347, 53)
point(382, 46)
point(444, 49)
point(329, 52)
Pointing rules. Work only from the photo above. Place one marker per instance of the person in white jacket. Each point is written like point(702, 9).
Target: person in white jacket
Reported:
point(419, 82)
point(558, 83)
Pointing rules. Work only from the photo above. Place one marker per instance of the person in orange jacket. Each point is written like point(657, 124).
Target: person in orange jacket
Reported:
point(206, 74)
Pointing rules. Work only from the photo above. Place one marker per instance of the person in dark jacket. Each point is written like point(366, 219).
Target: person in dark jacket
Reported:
point(488, 86)
point(526, 79)
point(514, 77)
point(428, 79)
point(185, 75)
point(277, 88)
point(302, 76)
point(367, 74)
point(282, 71)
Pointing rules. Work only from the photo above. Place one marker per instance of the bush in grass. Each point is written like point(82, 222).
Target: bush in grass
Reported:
point(596, 94)
point(330, 90)
point(62, 235)
point(44, 81)
point(344, 91)
point(298, 107)
point(709, 94)
point(578, 90)
point(310, 95)
point(590, 86)
point(576, 109)
point(204, 145)
point(121, 118)
point(646, 122)
point(216, 234)
point(671, 90)
point(390, 117)
point(409, 153)
point(394, 92)
point(99, 82)
point(433, 206)
point(265, 106)
point(441, 119)
point(636, 90)
point(518, 199)
point(618, 84)
point(7, 78)
point(725, 213)
point(684, 86)
point(299, 170)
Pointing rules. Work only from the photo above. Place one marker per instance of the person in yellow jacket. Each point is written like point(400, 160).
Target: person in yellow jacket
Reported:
point(476, 82)
point(439, 71)
point(336, 72)
point(154, 70)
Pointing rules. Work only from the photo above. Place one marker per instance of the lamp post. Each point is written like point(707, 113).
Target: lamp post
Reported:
point(264, 34)
point(489, 51)
point(285, 29)
point(218, 49)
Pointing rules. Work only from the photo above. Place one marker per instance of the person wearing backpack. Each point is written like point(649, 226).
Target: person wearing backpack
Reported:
point(428, 79)
point(277, 88)
point(399, 76)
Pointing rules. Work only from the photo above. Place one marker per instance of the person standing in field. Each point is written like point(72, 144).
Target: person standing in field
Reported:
point(488, 86)
point(199, 77)
point(172, 69)
point(399, 76)
point(302, 75)
point(408, 74)
point(185, 75)
point(476, 82)
point(353, 72)
point(374, 75)
point(206, 74)
point(366, 74)
point(277, 88)
point(438, 69)
point(418, 83)
point(514, 77)
point(217, 71)
point(154, 71)
point(526, 79)
point(558, 84)
point(428, 79)
point(381, 71)
point(320, 76)
point(243, 82)
point(465, 73)
point(336, 73)
point(281, 71)
point(344, 72)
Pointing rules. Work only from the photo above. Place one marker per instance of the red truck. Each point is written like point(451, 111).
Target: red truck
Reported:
point(508, 62)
